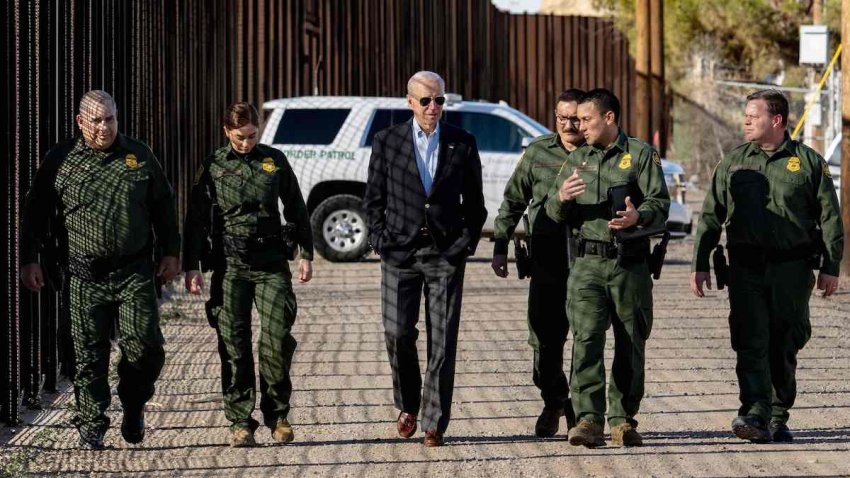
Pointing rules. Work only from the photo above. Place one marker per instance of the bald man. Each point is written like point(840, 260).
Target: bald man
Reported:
point(102, 197)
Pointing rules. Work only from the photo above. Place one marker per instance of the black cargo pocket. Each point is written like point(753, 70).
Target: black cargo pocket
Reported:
point(801, 329)
point(734, 333)
point(644, 312)
point(802, 332)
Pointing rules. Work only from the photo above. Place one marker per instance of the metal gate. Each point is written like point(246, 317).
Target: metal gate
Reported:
point(173, 65)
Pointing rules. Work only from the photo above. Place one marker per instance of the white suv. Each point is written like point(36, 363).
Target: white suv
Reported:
point(328, 141)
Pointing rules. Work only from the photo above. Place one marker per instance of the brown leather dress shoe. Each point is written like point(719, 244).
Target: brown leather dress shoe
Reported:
point(433, 438)
point(406, 424)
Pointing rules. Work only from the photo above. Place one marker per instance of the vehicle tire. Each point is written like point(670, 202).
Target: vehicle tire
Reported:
point(339, 227)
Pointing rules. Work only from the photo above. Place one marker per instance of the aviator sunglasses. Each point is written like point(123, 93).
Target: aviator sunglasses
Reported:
point(426, 100)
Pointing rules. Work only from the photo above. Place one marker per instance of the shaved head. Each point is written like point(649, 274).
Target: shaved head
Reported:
point(98, 119)
point(96, 97)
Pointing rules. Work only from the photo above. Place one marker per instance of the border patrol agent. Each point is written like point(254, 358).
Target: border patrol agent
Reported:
point(609, 283)
point(233, 227)
point(528, 188)
point(99, 206)
point(777, 201)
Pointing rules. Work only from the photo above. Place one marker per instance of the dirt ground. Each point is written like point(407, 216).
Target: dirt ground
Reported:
point(344, 417)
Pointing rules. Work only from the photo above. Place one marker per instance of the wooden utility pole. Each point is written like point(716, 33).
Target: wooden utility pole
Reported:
point(845, 132)
point(643, 104)
point(658, 116)
point(817, 12)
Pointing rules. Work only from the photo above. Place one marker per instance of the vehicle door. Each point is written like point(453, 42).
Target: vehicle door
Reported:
point(500, 143)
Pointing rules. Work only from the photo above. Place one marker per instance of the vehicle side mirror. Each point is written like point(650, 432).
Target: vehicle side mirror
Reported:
point(525, 142)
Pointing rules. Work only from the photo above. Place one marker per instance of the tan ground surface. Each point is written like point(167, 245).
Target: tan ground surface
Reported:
point(344, 418)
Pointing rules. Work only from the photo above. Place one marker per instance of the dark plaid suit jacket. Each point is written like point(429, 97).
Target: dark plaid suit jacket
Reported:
point(396, 204)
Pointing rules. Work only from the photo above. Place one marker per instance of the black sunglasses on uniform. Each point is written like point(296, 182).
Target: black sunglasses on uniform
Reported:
point(426, 100)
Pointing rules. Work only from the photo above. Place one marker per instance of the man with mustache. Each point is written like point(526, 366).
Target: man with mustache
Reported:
point(547, 293)
point(609, 283)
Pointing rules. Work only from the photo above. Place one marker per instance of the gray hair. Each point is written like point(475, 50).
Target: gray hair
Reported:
point(98, 97)
point(425, 76)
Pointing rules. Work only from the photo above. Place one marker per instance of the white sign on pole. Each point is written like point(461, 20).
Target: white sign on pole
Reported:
point(814, 45)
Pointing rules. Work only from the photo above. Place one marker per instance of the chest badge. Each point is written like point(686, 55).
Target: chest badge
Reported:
point(626, 161)
point(131, 161)
point(793, 164)
point(268, 165)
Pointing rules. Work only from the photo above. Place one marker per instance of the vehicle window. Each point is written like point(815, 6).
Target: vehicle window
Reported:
point(310, 126)
point(492, 133)
point(384, 118)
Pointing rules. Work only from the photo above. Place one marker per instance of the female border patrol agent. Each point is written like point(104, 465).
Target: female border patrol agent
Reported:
point(233, 227)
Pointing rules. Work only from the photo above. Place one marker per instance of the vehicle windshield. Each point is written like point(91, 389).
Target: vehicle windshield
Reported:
point(532, 122)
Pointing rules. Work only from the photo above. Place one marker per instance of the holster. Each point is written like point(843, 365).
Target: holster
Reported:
point(721, 268)
point(523, 262)
point(656, 259)
point(290, 245)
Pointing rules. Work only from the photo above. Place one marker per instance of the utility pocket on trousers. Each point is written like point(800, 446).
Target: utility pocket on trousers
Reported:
point(643, 322)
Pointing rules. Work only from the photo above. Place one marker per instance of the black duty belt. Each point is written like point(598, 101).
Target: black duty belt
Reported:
point(754, 255)
point(597, 248)
point(96, 269)
point(234, 244)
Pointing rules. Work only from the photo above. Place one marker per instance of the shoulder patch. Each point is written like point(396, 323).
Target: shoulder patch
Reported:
point(825, 168)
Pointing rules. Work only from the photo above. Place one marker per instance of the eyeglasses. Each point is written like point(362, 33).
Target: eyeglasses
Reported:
point(426, 100)
point(564, 119)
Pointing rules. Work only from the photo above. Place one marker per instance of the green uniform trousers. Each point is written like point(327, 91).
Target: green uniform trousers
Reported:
point(129, 295)
point(271, 292)
point(769, 323)
point(600, 293)
point(547, 317)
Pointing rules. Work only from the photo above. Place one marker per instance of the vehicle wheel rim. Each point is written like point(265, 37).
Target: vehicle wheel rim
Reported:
point(344, 230)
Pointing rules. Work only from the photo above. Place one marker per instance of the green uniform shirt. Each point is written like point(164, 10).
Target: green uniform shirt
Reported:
point(245, 200)
point(626, 160)
point(100, 204)
point(774, 201)
point(528, 188)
